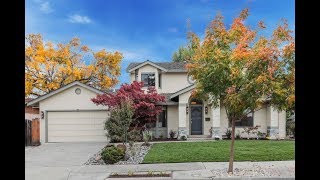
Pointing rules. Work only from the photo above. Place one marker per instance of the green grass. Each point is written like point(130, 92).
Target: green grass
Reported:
point(214, 151)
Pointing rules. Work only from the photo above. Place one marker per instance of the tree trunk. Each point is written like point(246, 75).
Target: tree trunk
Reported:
point(230, 170)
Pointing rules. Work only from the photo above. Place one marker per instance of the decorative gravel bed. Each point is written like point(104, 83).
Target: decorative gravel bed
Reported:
point(134, 155)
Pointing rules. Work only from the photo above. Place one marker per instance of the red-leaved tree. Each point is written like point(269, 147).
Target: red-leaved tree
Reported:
point(144, 103)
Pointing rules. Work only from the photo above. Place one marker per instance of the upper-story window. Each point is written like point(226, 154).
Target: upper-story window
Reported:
point(148, 79)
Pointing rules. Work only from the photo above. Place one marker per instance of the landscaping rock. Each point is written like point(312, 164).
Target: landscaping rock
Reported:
point(134, 155)
point(137, 156)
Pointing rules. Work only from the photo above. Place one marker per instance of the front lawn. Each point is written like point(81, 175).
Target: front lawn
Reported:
point(245, 150)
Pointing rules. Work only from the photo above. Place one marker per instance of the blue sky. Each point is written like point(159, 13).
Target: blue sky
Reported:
point(142, 29)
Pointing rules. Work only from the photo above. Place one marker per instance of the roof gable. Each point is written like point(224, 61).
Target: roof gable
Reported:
point(181, 91)
point(43, 97)
point(165, 66)
point(145, 63)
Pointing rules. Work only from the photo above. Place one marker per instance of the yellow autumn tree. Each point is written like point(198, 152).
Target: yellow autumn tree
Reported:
point(50, 66)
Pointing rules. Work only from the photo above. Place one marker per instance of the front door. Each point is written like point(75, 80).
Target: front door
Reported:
point(196, 120)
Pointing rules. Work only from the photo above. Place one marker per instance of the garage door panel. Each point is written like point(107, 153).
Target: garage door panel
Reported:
point(69, 127)
point(71, 114)
point(77, 139)
point(100, 115)
point(75, 120)
point(77, 126)
point(77, 133)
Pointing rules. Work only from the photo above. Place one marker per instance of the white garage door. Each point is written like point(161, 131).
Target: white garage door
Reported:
point(81, 126)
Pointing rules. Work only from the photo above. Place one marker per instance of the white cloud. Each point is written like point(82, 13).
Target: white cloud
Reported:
point(173, 29)
point(76, 18)
point(45, 7)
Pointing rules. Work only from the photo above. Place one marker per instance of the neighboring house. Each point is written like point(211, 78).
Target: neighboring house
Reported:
point(69, 115)
point(190, 116)
point(30, 112)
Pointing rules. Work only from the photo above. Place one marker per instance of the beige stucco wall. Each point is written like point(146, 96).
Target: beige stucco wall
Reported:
point(132, 78)
point(260, 119)
point(207, 124)
point(282, 124)
point(277, 118)
point(172, 121)
point(183, 117)
point(67, 100)
point(172, 82)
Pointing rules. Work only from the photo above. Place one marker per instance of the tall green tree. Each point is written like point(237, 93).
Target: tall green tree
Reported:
point(242, 69)
point(183, 54)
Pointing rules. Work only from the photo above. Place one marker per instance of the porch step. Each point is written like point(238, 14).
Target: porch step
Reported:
point(200, 139)
point(198, 136)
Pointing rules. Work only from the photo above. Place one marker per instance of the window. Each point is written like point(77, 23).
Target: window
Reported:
point(159, 81)
point(163, 117)
point(148, 79)
point(247, 121)
point(78, 91)
point(195, 101)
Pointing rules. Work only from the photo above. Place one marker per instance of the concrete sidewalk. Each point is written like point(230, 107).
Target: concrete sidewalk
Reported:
point(64, 161)
point(196, 170)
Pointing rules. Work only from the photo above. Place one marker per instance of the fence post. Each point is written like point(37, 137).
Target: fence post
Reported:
point(35, 132)
point(27, 128)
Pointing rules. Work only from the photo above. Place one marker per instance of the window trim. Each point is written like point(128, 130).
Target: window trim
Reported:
point(159, 80)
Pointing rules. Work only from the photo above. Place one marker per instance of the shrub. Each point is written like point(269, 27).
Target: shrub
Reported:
point(228, 133)
point(172, 134)
point(161, 136)
point(134, 135)
point(122, 147)
point(183, 138)
point(119, 121)
point(147, 137)
point(250, 130)
point(290, 128)
point(111, 155)
point(238, 136)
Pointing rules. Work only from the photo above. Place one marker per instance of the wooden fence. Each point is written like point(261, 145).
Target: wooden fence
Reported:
point(32, 132)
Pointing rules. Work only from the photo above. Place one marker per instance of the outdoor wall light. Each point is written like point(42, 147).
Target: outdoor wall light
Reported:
point(187, 109)
point(206, 109)
point(42, 115)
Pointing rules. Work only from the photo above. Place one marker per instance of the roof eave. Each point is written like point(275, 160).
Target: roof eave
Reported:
point(40, 98)
point(168, 103)
point(181, 91)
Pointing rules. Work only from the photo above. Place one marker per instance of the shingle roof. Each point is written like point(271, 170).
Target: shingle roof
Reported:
point(170, 66)
point(168, 101)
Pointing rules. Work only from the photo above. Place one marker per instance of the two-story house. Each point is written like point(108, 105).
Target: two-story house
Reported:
point(68, 114)
point(193, 117)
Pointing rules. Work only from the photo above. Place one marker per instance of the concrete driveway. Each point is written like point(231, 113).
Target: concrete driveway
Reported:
point(57, 160)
